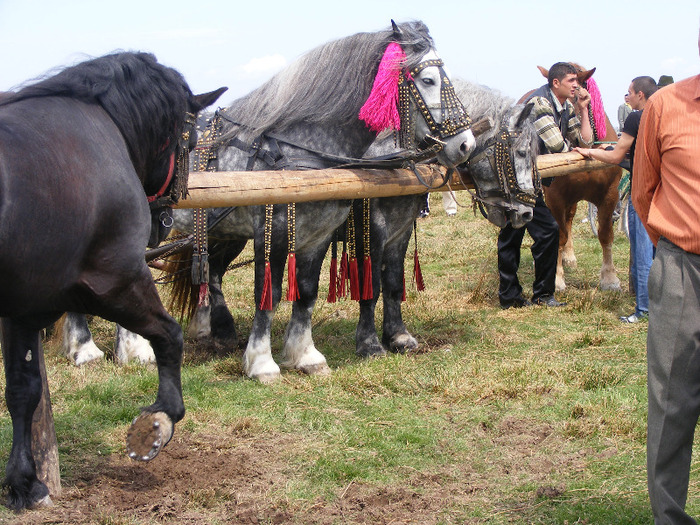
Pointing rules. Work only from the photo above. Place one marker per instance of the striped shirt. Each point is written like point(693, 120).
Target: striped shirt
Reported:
point(549, 132)
point(666, 189)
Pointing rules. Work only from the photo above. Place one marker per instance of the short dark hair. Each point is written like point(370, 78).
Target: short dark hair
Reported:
point(646, 85)
point(559, 71)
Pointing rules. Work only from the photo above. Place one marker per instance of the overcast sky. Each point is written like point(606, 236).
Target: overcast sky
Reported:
point(240, 44)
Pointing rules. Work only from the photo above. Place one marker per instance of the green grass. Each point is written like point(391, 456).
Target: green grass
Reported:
point(521, 416)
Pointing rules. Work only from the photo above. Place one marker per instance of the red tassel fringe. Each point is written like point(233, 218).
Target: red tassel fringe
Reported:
point(203, 299)
point(266, 298)
point(367, 291)
point(354, 280)
point(292, 286)
point(417, 273)
point(342, 279)
point(333, 284)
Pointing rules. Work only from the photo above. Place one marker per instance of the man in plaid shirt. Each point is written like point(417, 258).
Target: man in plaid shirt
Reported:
point(560, 127)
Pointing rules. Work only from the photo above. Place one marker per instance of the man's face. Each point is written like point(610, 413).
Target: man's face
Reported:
point(565, 88)
point(634, 98)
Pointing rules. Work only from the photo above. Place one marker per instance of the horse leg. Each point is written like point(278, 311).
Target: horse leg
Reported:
point(559, 213)
point(568, 257)
point(608, 273)
point(367, 342)
point(78, 344)
point(152, 430)
point(299, 351)
point(21, 353)
point(128, 345)
point(394, 333)
point(215, 320)
point(257, 358)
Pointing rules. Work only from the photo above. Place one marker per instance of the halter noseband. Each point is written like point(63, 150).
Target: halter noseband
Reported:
point(177, 178)
point(498, 150)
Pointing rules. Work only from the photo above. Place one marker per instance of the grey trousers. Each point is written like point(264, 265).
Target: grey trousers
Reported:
point(673, 379)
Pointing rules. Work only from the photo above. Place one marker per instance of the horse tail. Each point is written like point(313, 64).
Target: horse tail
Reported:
point(184, 295)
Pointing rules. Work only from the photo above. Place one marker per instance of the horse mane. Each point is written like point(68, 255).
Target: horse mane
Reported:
point(146, 100)
point(328, 84)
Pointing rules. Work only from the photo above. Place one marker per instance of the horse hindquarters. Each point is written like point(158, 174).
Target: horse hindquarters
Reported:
point(21, 356)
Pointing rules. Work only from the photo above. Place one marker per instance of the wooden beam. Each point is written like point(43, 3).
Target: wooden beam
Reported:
point(213, 189)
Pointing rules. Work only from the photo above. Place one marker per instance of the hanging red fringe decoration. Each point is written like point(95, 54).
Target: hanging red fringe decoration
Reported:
point(333, 284)
point(367, 291)
point(266, 298)
point(417, 273)
point(203, 299)
point(380, 111)
point(343, 275)
point(354, 280)
point(292, 286)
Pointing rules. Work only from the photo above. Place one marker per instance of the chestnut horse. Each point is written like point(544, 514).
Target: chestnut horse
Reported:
point(596, 186)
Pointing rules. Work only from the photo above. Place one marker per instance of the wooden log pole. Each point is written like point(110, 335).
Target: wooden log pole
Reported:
point(232, 188)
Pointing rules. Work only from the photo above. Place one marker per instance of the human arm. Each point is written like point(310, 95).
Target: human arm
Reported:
point(613, 156)
point(647, 166)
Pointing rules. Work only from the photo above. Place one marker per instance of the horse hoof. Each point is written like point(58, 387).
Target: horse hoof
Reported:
point(148, 434)
point(403, 343)
point(43, 503)
point(370, 352)
point(320, 369)
point(267, 379)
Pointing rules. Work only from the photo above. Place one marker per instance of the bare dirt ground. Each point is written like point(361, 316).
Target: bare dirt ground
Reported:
point(207, 479)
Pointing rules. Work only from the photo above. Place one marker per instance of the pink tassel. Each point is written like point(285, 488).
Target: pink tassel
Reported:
point(266, 298)
point(380, 111)
point(417, 273)
point(354, 280)
point(597, 108)
point(292, 286)
point(367, 291)
point(333, 285)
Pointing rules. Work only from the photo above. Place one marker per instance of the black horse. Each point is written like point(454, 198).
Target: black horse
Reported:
point(79, 154)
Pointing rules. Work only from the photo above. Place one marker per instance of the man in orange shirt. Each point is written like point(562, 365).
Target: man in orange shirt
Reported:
point(666, 193)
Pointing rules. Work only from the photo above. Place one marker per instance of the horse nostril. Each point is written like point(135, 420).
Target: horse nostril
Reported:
point(527, 216)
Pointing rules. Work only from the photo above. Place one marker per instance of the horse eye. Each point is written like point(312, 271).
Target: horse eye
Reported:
point(521, 153)
point(428, 81)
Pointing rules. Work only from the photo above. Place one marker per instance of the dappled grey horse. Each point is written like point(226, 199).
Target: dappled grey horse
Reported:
point(306, 117)
point(501, 168)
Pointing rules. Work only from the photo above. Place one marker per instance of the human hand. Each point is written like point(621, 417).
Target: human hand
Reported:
point(585, 152)
point(583, 97)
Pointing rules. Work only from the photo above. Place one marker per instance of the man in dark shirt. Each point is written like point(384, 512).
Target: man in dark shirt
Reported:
point(641, 247)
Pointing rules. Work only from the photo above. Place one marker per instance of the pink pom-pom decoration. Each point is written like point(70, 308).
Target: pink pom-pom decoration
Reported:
point(597, 107)
point(380, 111)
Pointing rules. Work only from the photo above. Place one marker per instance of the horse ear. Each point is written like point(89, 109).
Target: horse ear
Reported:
point(207, 99)
point(584, 75)
point(524, 114)
point(545, 72)
point(396, 29)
